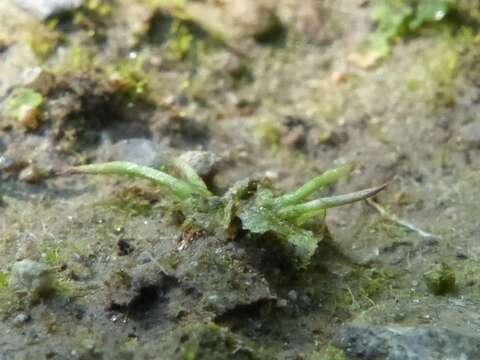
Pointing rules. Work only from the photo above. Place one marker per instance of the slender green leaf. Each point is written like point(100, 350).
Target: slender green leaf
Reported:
point(327, 178)
point(180, 188)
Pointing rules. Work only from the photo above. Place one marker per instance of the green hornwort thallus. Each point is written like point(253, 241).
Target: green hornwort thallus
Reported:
point(296, 220)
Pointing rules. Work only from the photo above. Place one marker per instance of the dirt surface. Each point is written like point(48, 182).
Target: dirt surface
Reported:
point(275, 90)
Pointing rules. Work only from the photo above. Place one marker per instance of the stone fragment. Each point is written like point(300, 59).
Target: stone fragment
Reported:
point(204, 162)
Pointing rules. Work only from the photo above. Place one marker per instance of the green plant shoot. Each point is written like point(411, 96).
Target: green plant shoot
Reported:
point(256, 205)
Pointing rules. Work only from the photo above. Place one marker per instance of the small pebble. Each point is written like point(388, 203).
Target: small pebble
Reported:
point(204, 162)
point(31, 175)
point(21, 319)
point(145, 257)
point(29, 117)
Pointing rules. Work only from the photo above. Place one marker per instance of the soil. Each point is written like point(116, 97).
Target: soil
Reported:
point(282, 104)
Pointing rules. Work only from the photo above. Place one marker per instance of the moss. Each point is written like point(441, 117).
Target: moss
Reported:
point(129, 78)
point(181, 42)
point(188, 41)
point(66, 291)
point(182, 37)
point(80, 58)
point(470, 274)
point(51, 256)
point(468, 278)
point(376, 282)
point(345, 301)
point(329, 352)
point(92, 18)
point(44, 39)
point(132, 201)
point(440, 279)
point(364, 287)
point(56, 255)
point(3, 280)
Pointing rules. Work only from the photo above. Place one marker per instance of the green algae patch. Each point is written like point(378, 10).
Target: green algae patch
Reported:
point(440, 279)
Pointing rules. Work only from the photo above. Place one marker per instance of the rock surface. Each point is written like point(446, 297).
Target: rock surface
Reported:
point(406, 343)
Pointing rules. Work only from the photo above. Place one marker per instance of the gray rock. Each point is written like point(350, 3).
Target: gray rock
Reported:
point(31, 277)
point(42, 9)
point(470, 133)
point(140, 151)
point(204, 162)
point(406, 343)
